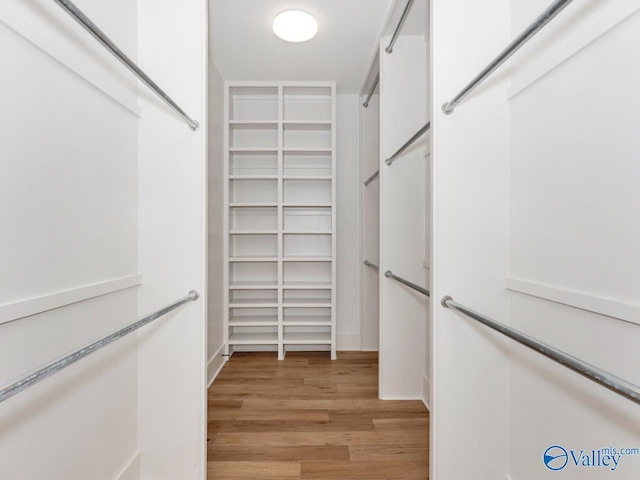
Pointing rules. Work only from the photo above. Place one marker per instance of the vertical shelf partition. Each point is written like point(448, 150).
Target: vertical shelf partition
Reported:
point(280, 227)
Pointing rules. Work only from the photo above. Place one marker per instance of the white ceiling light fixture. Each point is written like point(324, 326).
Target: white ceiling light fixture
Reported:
point(295, 26)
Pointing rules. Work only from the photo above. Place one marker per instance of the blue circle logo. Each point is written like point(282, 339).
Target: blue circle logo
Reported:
point(555, 458)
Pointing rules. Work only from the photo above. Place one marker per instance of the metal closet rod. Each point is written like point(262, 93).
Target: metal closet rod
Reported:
point(410, 142)
point(372, 265)
point(549, 14)
point(371, 178)
point(595, 374)
point(403, 19)
point(37, 375)
point(373, 89)
point(69, 7)
point(409, 284)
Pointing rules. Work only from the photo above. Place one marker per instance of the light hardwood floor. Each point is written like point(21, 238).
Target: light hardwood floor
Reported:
point(312, 418)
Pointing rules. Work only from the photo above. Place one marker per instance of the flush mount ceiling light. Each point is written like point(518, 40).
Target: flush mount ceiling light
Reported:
point(295, 26)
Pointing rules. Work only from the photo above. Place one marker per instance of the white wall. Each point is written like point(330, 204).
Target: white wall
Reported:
point(215, 313)
point(69, 214)
point(370, 222)
point(348, 224)
point(403, 311)
point(470, 243)
point(575, 231)
point(173, 237)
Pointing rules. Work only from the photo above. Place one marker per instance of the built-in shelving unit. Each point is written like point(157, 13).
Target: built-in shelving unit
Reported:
point(280, 237)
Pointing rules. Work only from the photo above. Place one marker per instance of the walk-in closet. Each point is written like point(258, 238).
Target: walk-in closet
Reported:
point(319, 239)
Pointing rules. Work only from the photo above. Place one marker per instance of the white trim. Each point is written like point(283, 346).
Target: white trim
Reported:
point(131, 470)
point(426, 392)
point(401, 397)
point(134, 109)
point(426, 264)
point(570, 48)
point(349, 342)
point(214, 366)
point(32, 306)
point(610, 307)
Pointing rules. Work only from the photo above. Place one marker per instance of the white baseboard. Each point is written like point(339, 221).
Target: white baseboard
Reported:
point(401, 397)
point(348, 341)
point(426, 392)
point(216, 362)
point(131, 471)
point(32, 306)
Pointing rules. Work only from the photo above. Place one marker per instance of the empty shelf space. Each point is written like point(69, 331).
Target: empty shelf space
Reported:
point(308, 321)
point(253, 303)
point(307, 338)
point(254, 321)
point(307, 303)
point(254, 163)
point(251, 338)
point(253, 104)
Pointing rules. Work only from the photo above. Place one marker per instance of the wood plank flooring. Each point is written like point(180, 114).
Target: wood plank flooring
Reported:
point(312, 418)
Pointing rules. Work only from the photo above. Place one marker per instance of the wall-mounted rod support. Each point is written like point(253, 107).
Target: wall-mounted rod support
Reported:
point(403, 19)
point(595, 374)
point(371, 265)
point(371, 178)
point(409, 284)
point(69, 7)
point(410, 142)
point(549, 14)
point(372, 91)
point(32, 377)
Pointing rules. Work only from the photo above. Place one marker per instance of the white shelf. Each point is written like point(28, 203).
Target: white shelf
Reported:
point(306, 232)
point(307, 259)
point(307, 177)
point(307, 205)
point(253, 232)
point(256, 123)
point(307, 150)
point(252, 205)
point(253, 286)
point(279, 194)
point(304, 338)
point(253, 177)
point(254, 339)
point(308, 122)
point(253, 149)
point(307, 286)
point(252, 259)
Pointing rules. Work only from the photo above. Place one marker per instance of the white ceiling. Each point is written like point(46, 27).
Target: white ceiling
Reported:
point(243, 46)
